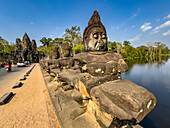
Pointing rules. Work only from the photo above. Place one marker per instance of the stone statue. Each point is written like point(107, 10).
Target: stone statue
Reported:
point(18, 45)
point(55, 53)
point(95, 36)
point(94, 76)
point(66, 50)
point(34, 46)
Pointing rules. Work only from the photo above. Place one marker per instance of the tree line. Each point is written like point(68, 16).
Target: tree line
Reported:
point(5, 47)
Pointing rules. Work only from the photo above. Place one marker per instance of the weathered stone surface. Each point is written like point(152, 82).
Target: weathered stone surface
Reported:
point(98, 57)
point(83, 82)
point(101, 63)
point(34, 46)
point(55, 53)
point(66, 62)
point(124, 99)
point(18, 45)
point(67, 108)
point(99, 69)
point(85, 121)
point(95, 36)
point(66, 50)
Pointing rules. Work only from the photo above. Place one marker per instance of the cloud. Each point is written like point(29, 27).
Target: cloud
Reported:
point(51, 35)
point(145, 27)
point(132, 26)
point(136, 13)
point(167, 17)
point(166, 33)
point(166, 24)
point(157, 20)
point(154, 32)
point(136, 38)
point(32, 23)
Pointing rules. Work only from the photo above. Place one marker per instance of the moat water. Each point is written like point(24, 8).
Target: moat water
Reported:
point(155, 77)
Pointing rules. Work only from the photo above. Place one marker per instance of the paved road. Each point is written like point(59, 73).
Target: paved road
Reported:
point(8, 79)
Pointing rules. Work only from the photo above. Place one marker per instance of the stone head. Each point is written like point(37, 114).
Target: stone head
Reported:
point(66, 50)
point(94, 36)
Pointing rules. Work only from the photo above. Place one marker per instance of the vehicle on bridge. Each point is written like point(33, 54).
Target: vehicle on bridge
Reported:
point(8, 67)
point(21, 64)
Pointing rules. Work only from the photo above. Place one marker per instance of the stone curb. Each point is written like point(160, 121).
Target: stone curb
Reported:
point(45, 81)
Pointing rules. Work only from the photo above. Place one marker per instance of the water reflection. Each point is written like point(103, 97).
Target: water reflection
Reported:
point(154, 76)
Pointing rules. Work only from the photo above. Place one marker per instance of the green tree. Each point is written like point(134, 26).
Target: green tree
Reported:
point(58, 41)
point(126, 43)
point(73, 36)
point(160, 46)
point(45, 41)
point(5, 47)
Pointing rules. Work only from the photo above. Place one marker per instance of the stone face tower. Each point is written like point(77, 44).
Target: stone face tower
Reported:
point(95, 36)
point(26, 50)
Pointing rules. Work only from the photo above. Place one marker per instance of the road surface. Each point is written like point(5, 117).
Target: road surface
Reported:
point(8, 79)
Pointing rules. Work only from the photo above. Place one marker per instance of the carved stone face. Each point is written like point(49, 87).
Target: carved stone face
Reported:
point(97, 40)
point(66, 50)
point(66, 53)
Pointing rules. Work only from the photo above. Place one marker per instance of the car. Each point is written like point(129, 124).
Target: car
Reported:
point(21, 64)
point(26, 62)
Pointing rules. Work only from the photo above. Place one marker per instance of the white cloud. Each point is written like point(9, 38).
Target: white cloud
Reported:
point(145, 27)
point(136, 13)
point(166, 33)
point(132, 26)
point(154, 32)
point(51, 35)
point(166, 24)
point(167, 17)
point(136, 38)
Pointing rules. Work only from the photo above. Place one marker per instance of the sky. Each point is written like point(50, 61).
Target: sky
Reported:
point(139, 21)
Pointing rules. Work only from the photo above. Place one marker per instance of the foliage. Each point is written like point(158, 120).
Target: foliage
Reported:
point(78, 48)
point(45, 41)
point(73, 36)
point(126, 43)
point(5, 47)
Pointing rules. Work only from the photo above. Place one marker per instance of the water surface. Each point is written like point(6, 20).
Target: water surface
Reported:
point(155, 77)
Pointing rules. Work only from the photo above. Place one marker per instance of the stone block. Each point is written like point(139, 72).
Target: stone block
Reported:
point(18, 84)
point(4, 99)
point(124, 99)
point(23, 78)
point(86, 120)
